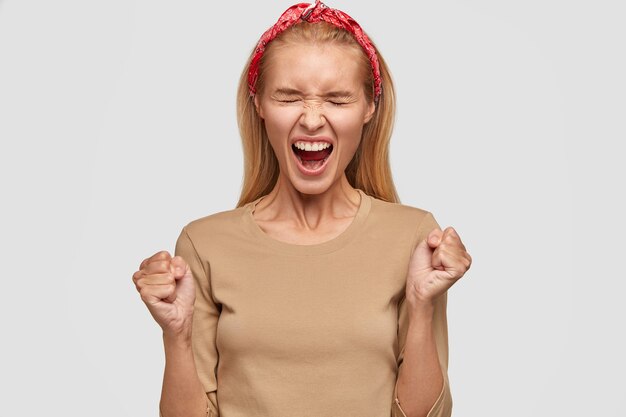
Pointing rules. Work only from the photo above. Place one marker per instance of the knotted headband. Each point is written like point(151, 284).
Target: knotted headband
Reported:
point(313, 13)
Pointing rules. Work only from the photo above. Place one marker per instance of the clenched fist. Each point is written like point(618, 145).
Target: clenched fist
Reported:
point(436, 263)
point(167, 288)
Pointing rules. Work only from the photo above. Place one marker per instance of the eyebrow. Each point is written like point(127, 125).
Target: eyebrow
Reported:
point(287, 91)
point(294, 92)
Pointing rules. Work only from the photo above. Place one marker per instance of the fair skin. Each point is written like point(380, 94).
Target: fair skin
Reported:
point(311, 92)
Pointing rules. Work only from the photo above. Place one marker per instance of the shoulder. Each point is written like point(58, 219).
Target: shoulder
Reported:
point(222, 222)
point(406, 222)
point(404, 214)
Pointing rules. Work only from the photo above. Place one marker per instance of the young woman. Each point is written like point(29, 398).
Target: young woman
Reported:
point(319, 294)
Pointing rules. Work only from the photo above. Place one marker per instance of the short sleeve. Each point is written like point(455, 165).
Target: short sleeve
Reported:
point(443, 405)
point(205, 317)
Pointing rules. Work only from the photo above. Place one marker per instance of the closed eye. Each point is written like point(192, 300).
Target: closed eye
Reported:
point(340, 99)
point(291, 100)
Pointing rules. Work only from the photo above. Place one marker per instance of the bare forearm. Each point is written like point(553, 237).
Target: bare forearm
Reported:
point(182, 394)
point(420, 380)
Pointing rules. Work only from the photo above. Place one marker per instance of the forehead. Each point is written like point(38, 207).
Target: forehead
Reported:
point(314, 68)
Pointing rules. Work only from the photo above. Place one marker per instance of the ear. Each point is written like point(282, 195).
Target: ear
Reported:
point(371, 108)
point(258, 106)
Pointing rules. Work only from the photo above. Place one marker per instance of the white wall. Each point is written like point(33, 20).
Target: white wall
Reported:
point(117, 127)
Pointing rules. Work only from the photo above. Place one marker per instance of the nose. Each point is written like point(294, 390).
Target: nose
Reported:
point(312, 117)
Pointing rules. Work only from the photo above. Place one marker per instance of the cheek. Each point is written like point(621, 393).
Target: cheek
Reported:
point(348, 126)
point(278, 124)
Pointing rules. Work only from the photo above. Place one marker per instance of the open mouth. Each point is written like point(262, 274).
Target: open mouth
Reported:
point(312, 160)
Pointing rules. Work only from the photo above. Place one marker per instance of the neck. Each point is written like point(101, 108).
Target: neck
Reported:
point(286, 203)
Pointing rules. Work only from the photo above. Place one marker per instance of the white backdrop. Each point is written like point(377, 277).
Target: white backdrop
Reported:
point(117, 126)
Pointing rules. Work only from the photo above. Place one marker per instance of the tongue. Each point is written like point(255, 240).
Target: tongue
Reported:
point(313, 155)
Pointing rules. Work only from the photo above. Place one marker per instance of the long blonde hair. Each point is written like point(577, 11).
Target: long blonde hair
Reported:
point(368, 170)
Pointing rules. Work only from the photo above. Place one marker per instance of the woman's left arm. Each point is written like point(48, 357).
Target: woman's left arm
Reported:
point(438, 261)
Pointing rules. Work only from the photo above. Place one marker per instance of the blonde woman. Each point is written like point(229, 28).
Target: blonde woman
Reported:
point(319, 294)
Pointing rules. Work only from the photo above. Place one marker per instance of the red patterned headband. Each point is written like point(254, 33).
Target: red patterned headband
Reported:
point(314, 13)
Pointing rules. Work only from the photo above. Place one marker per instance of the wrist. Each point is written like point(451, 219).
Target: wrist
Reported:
point(421, 311)
point(177, 340)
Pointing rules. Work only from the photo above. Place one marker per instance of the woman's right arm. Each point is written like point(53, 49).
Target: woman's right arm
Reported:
point(168, 288)
point(182, 393)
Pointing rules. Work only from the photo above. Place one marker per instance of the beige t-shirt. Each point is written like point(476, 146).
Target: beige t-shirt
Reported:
point(285, 330)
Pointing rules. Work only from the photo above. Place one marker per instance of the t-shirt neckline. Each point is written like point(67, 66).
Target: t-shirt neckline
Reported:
point(315, 249)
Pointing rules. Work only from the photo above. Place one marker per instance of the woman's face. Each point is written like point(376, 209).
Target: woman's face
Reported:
point(314, 99)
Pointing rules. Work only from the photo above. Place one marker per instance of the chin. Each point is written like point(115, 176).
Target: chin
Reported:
point(312, 185)
point(312, 191)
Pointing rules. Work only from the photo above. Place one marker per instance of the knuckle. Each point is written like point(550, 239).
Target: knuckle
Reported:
point(162, 265)
point(163, 255)
point(158, 257)
point(143, 263)
point(451, 237)
point(145, 295)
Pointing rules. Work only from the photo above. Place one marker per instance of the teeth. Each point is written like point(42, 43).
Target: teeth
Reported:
point(311, 146)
